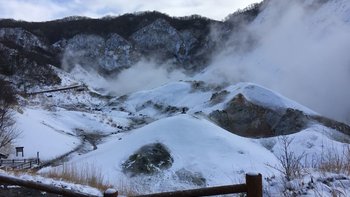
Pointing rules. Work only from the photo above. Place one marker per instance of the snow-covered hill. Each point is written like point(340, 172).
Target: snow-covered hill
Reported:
point(176, 115)
point(210, 124)
point(196, 145)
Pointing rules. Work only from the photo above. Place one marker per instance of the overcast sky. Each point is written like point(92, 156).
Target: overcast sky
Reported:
point(43, 10)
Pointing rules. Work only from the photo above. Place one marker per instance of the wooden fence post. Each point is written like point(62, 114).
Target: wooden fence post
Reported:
point(110, 193)
point(37, 157)
point(254, 185)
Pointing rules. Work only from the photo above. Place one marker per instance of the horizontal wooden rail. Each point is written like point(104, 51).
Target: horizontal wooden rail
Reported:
point(19, 163)
point(253, 188)
point(56, 90)
point(41, 187)
point(210, 191)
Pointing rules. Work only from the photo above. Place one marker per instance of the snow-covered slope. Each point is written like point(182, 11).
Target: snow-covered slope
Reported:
point(196, 145)
point(200, 97)
point(37, 136)
point(54, 133)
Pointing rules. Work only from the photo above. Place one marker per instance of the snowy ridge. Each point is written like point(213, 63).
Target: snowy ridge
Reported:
point(183, 94)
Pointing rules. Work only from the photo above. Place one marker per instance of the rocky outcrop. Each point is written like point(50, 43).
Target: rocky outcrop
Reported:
point(21, 37)
point(161, 39)
point(247, 119)
point(148, 159)
point(339, 126)
point(103, 54)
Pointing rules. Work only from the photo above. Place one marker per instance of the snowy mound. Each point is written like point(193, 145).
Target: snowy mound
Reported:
point(196, 145)
point(198, 96)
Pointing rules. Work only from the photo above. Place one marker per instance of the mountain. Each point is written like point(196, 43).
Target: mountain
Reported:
point(154, 103)
point(108, 45)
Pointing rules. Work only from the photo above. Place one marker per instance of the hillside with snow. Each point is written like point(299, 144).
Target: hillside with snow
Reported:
point(179, 103)
point(177, 116)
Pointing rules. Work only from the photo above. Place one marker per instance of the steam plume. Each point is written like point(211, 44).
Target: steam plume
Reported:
point(301, 50)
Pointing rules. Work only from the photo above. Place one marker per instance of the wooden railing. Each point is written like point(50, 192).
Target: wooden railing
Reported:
point(19, 163)
point(56, 89)
point(252, 187)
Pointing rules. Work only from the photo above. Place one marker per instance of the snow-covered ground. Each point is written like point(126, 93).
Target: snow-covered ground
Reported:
point(52, 124)
point(56, 183)
point(196, 144)
point(198, 98)
point(53, 133)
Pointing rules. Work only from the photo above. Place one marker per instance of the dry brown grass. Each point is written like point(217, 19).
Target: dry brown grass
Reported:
point(334, 161)
point(86, 174)
point(127, 188)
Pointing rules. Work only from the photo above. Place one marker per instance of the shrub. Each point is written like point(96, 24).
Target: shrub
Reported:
point(290, 163)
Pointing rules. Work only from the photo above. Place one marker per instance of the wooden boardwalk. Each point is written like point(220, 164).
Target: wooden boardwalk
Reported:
point(79, 87)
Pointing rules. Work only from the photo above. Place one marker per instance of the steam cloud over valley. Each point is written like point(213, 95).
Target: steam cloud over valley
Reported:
point(297, 48)
point(142, 76)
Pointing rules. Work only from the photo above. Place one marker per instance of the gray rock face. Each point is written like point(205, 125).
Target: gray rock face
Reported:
point(162, 39)
point(21, 37)
point(250, 120)
point(149, 159)
point(25, 56)
point(107, 55)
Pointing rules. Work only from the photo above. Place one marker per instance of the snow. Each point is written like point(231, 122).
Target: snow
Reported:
point(195, 144)
point(182, 94)
point(56, 183)
point(38, 137)
point(53, 133)
point(315, 142)
point(110, 191)
point(268, 98)
point(51, 126)
point(51, 123)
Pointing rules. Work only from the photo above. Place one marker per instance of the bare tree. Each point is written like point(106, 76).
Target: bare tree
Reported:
point(7, 130)
point(291, 166)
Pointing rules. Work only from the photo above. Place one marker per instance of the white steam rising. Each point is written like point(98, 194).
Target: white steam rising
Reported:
point(141, 76)
point(301, 50)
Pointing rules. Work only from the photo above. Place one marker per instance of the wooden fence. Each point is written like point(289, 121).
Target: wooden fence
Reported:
point(79, 87)
point(19, 164)
point(252, 187)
